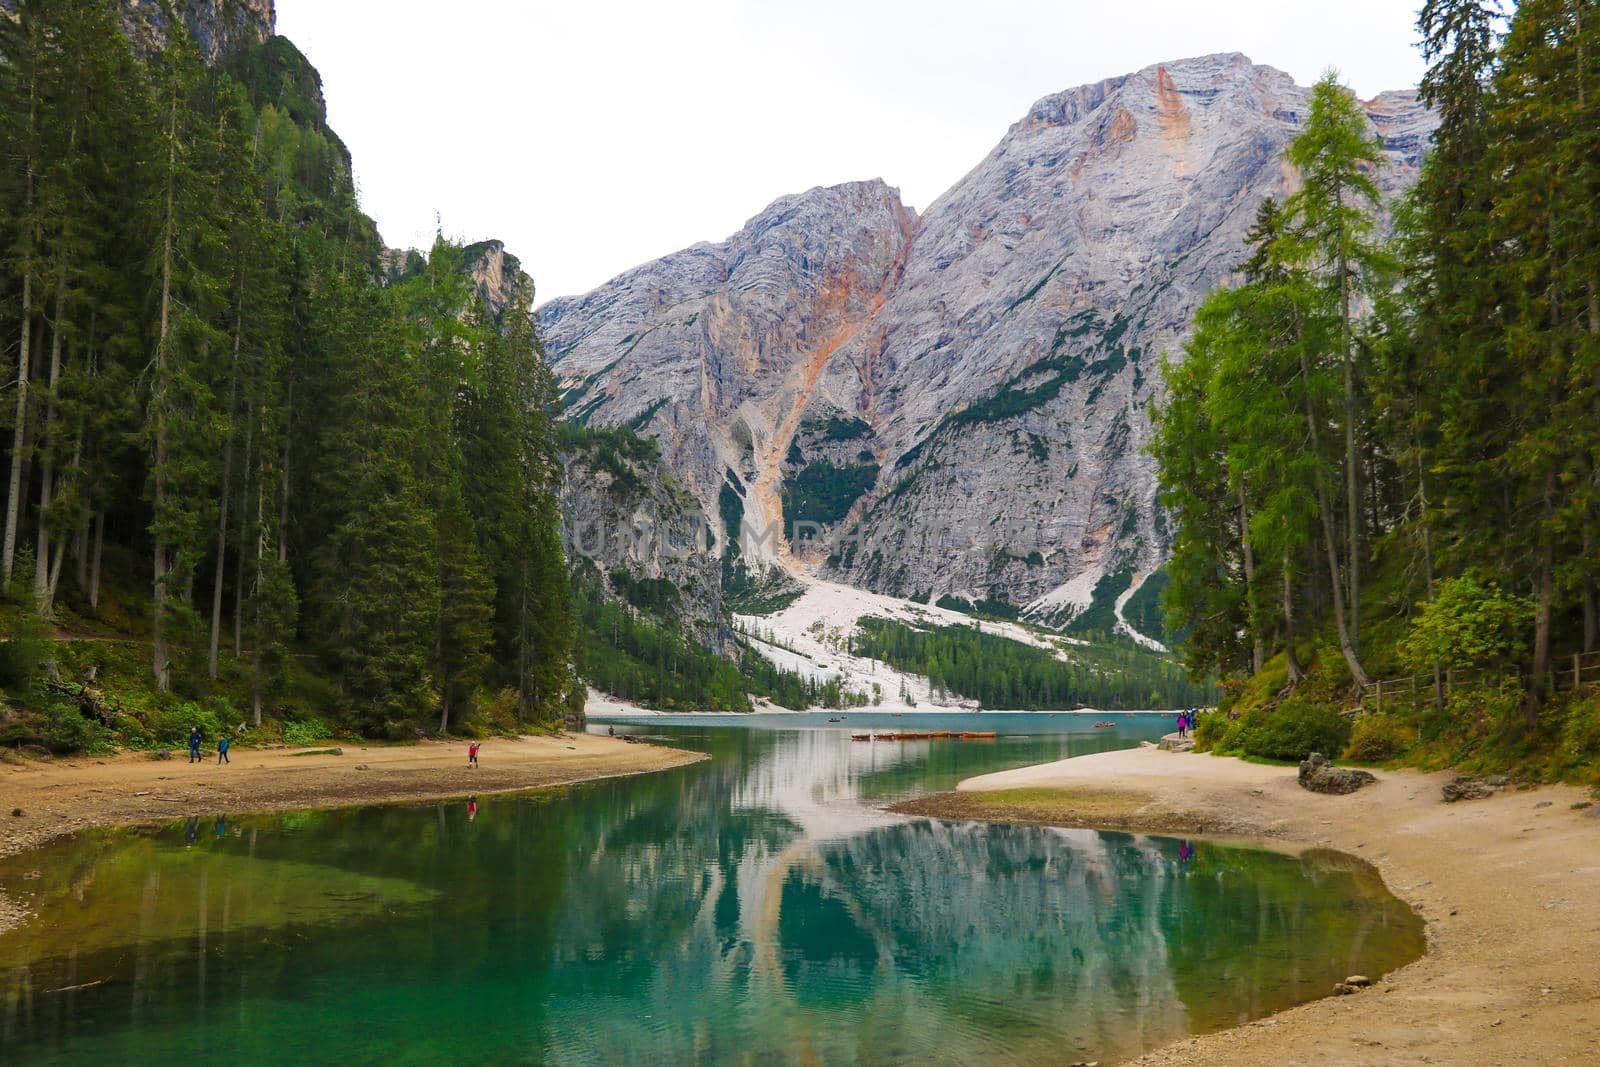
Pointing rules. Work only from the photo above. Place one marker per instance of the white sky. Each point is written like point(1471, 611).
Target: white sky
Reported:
point(592, 135)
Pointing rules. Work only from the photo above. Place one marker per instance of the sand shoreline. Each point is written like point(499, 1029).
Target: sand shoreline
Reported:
point(62, 796)
point(1509, 888)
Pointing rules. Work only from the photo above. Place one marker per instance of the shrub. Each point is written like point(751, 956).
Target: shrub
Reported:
point(1292, 731)
point(1209, 728)
point(1376, 738)
point(27, 645)
point(1580, 732)
point(170, 723)
point(62, 728)
point(305, 732)
point(1467, 625)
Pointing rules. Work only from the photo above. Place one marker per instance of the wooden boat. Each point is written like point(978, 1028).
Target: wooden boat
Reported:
point(1104, 725)
point(933, 735)
point(836, 719)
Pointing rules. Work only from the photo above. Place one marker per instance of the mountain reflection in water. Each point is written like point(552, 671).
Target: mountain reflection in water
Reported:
point(758, 906)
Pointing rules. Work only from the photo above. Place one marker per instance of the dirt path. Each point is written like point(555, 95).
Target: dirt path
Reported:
point(1509, 888)
point(59, 796)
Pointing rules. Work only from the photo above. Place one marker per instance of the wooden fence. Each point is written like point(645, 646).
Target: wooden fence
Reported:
point(1582, 669)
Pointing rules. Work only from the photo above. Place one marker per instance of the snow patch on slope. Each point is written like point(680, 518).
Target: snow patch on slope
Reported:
point(1124, 626)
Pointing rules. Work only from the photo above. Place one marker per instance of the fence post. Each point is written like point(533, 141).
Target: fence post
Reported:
point(1577, 671)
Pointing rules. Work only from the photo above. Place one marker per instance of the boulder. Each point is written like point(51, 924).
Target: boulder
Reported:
point(1466, 787)
point(1320, 776)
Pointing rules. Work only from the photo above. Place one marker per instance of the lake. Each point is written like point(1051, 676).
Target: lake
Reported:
point(760, 907)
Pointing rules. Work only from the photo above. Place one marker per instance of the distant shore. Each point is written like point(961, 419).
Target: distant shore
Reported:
point(1507, 887)
point(61, 796)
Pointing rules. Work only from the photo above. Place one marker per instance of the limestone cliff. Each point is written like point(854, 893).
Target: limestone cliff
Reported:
point(957, 404)
point(624, 514)
point(220, 28)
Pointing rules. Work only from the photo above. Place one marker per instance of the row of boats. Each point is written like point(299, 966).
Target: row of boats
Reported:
point(932, 735)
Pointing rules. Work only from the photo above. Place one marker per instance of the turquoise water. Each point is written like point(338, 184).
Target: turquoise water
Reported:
point(757, 908)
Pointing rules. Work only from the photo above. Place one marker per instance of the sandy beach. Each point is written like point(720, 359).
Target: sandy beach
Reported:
point(60, 796)
point(1509, 888)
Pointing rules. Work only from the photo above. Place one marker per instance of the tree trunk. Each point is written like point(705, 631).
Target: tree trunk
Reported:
point(47, 473)
point(61, 551)
point(1352, 471)
point(94, 560)
point(160, 660)
point(8, 551)
point(1346, 646)
point(1427, 569)
point(283, 492)
point(244, 531)
point(1257, 651)
point(227, 496)
point(1545, 609)
point(1295, 673)
point(261, 551)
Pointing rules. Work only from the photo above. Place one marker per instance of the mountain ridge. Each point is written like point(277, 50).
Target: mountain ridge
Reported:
point(957, 399)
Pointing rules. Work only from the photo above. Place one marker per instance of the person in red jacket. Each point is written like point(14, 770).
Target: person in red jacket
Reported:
point(472, 754)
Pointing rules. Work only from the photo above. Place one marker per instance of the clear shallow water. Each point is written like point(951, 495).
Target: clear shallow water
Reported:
point(760, 907)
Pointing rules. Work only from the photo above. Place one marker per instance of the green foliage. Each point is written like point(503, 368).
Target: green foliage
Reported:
point(304, 732)
point(1209, 730)
point(658, 596)
point(63, 728)
point(1291, 731)
point(1100, 616)
point(1378, 738)
point(27, 644)
point(1580, 737)
point(1468, 625)
point(835, 428)
point(999, 672)
point(823, 493)
point(232, 414)
point(170, 721)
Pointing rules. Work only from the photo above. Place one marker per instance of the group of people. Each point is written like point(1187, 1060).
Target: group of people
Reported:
point(1186, 721)
point(223, 744)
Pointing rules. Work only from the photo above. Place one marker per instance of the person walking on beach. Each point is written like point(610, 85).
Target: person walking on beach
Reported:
point(194, 745)
point(222, 750)
point(472, 754)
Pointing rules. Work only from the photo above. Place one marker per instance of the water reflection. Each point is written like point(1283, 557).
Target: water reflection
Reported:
point(754, 904)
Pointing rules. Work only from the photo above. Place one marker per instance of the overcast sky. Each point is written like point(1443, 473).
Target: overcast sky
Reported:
point(592, 135)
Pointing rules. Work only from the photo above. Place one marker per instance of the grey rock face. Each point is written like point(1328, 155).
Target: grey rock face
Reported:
point(496, 274)
point(219, 27)
point(1320, 776)
point(962, 398)
point(624, 514)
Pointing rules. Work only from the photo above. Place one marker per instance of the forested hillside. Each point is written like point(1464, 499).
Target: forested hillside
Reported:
point(1382, 455)
point(271, 477)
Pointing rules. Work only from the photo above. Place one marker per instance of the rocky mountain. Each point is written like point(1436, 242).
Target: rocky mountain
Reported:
point(624, 514)
point(954, 405)
point(220, 28)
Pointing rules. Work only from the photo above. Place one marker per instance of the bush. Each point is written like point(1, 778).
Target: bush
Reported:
point(1376, 738)
point(1209, 728)
point(1467, 625)
point(26, 647)
point(305, 732)
point(1291, 731)
point(63, 729)
point(1580, 733)
point(170, 723)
